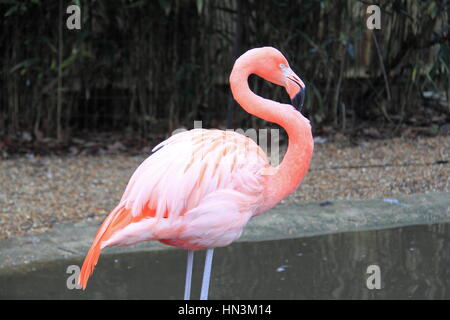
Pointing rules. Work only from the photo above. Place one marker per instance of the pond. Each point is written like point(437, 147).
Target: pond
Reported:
point(413, 261)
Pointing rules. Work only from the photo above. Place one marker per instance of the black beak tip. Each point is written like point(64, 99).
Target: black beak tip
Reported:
point(299, 99)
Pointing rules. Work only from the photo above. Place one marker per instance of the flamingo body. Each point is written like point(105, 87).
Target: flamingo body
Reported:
point(197, 191)
point(200, 187)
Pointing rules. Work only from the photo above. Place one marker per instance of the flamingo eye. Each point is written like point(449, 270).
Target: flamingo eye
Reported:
point(282, 66)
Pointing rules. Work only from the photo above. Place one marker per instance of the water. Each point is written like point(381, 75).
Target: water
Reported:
point(414, 263)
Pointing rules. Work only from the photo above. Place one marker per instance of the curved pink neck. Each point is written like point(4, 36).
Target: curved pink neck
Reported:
point(289, 174)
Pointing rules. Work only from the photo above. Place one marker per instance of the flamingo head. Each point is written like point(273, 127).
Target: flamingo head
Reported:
point(274, 67)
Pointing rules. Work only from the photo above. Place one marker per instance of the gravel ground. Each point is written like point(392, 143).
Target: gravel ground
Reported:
point(37, 192)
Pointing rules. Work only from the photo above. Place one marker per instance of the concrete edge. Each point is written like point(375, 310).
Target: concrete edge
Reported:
point(285, 221)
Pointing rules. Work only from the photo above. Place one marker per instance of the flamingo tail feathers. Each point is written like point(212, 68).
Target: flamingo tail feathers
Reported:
point(115, 220)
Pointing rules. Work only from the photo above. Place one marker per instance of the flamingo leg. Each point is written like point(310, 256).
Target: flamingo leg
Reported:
point(207, 274)
point(187, 285)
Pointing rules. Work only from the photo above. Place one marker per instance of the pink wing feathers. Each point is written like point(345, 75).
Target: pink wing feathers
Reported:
point(197, 190)
point(188, 166)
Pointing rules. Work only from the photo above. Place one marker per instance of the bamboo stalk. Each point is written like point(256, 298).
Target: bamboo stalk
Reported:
point(59, 89)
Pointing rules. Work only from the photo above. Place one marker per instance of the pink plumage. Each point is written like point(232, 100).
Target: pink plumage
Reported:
point(204, 179)
point(200, 187)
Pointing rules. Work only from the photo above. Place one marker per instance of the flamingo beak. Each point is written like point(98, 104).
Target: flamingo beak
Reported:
point(296, 88)
point(299, 99)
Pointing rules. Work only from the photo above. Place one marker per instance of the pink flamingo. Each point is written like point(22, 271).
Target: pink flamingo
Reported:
point(200, 188)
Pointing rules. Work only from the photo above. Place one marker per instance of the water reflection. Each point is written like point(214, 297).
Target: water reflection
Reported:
point(414, 264)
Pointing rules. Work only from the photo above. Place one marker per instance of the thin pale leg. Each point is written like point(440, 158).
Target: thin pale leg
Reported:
point(187, 285)
point(207, 274)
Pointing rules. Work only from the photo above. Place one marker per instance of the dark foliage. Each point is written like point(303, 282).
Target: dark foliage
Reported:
point(152, 66)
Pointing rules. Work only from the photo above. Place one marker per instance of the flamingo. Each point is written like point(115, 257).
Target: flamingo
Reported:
point(199, 188)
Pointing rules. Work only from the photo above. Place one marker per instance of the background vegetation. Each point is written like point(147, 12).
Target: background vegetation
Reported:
point(151, 66)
